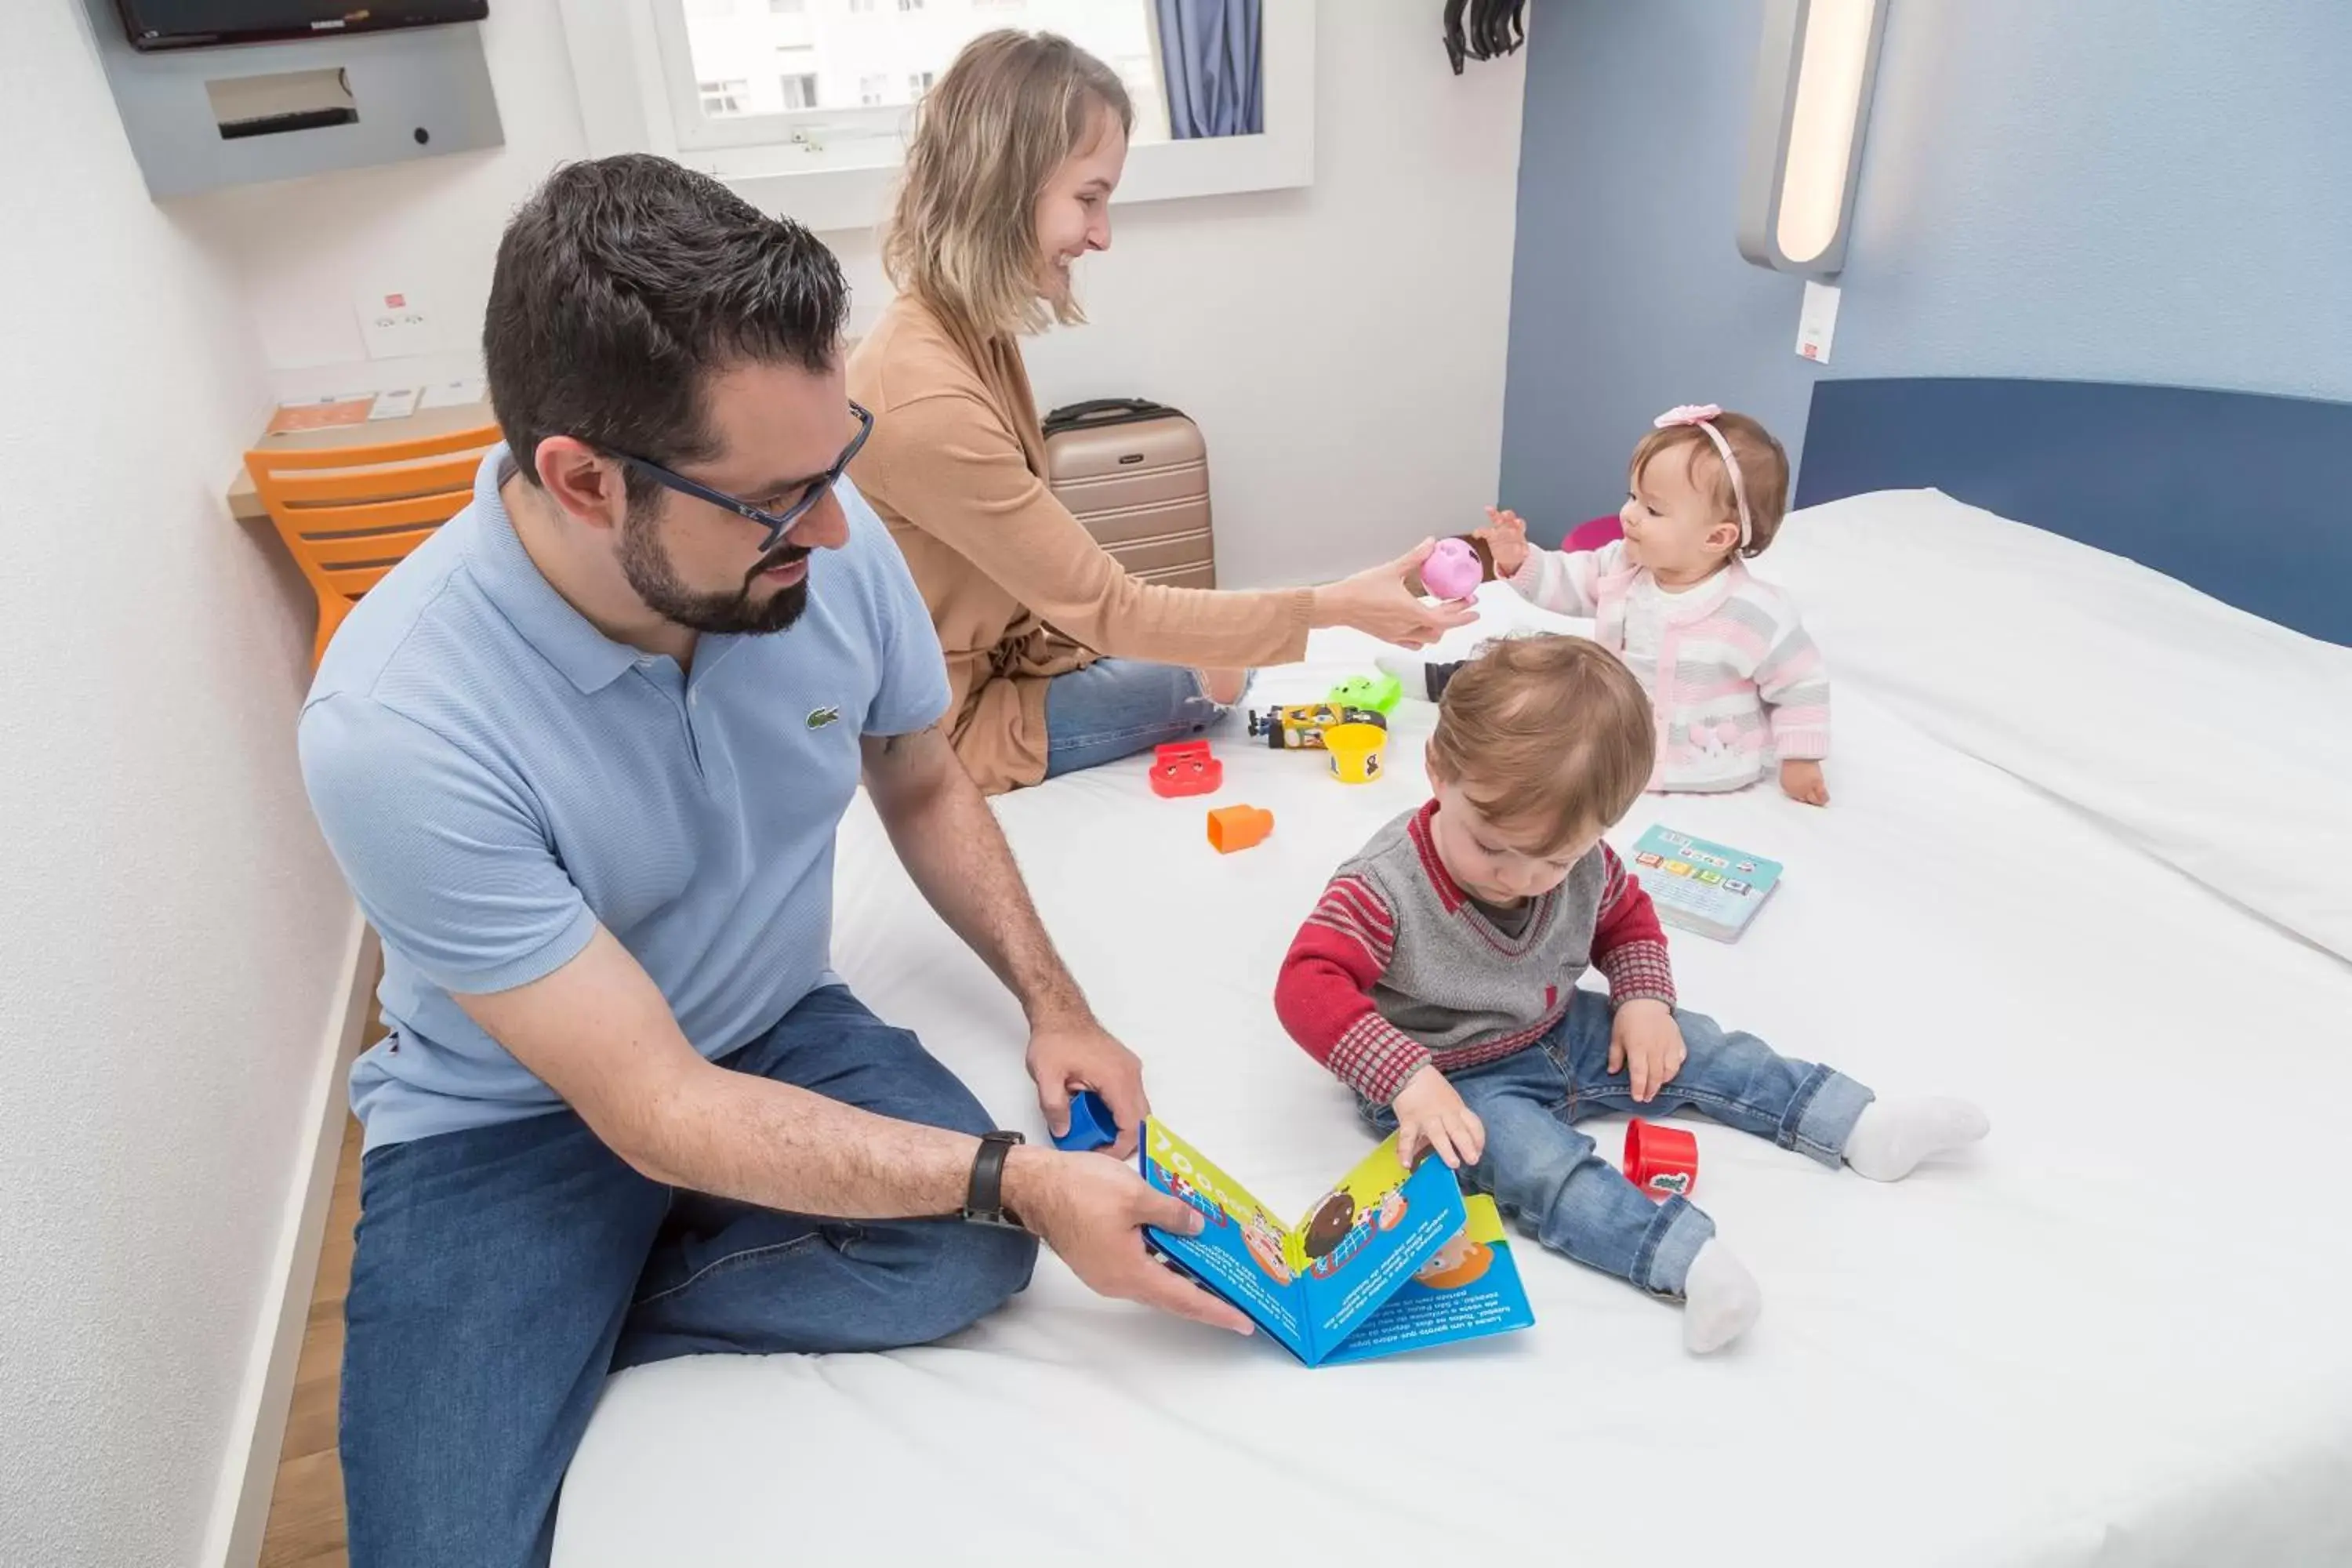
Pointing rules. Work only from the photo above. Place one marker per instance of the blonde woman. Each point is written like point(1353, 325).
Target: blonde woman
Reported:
point(1058, 660)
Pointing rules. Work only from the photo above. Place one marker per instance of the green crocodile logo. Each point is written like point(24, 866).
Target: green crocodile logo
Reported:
point(822, 717)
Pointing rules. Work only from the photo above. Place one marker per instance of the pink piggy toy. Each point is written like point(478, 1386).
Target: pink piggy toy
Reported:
point(1452, 571)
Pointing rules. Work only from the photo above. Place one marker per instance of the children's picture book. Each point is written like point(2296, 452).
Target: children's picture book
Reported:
point(1387, 1260)
point(1711, 888)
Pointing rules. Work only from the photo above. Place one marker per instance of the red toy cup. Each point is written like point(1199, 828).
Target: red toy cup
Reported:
point(1661, 1160)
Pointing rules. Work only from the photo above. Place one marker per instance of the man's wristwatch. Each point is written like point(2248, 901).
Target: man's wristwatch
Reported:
point(983, 1202)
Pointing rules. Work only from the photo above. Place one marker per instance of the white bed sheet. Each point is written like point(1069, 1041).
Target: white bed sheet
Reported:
point(2114, 1335)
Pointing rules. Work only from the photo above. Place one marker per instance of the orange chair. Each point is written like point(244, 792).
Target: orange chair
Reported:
point(350, 514)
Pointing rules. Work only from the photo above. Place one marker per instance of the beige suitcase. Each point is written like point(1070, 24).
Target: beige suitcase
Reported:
point(1137, 474)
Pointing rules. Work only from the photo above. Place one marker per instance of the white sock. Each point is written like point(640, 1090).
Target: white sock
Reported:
point(1892, 1136)
point(1720, 1299)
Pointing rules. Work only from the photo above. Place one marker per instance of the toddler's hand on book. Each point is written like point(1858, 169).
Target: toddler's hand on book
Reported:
point(1646, 1045)
point(1431, 1114)
point(1505, 538)
point(1802, 780)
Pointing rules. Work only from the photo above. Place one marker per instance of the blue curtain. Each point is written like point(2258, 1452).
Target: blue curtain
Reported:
point(1209, 57)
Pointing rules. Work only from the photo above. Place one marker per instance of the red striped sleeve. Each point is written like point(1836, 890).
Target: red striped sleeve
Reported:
point(1324, 994)
point(1629, 946)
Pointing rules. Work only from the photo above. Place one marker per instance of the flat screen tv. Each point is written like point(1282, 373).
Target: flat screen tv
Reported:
point(193, 23)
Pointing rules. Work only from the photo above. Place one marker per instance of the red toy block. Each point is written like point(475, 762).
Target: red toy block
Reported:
point(1185, 768)
point(1661, 1160)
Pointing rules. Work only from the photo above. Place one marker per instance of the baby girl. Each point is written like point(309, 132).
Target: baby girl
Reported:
point(1733, 681)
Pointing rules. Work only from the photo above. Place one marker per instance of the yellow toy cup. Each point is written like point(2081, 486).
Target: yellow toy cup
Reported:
point(1355, 751)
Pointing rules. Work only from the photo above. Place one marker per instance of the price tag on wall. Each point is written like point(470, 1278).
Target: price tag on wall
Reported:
point(1817, 322)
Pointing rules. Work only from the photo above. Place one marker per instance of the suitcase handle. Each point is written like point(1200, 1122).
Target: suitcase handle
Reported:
point(1103, 411)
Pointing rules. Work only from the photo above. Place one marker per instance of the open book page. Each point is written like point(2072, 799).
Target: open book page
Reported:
point(1365, 1237)
point(1467, 1288)
point(1242, 1252)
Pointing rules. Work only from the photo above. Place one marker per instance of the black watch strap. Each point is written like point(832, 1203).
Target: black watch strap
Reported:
point(983, 1202)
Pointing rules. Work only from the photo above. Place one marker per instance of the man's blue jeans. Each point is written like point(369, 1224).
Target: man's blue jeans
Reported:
point(503, 1271)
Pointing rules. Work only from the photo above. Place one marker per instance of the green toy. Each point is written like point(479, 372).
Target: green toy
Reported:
point(1380, 693)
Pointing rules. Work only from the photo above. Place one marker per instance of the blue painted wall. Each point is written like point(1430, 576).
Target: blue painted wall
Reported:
point(2089, 189)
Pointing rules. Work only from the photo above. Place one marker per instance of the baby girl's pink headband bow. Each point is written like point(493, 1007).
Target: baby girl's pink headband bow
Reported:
point(1703, 415)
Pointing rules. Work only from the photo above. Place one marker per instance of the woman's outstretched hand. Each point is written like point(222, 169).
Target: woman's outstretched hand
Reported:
point(1375, 600)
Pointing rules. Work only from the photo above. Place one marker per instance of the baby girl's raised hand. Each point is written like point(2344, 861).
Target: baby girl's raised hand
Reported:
point(1431, 1114)
point(1802, 780)
point(1505, 539)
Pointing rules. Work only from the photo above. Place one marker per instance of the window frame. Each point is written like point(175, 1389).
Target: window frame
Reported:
point(731, 87)
point(834, 168)
point(856, 130)
point(846, 135)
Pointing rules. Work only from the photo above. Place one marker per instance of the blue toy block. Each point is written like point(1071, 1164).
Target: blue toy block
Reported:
point(1092, 1125)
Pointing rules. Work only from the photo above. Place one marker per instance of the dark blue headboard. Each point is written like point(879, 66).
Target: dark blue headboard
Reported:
point(2245, 496)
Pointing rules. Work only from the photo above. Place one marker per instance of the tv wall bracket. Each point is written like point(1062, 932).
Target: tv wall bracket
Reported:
point(203, 118)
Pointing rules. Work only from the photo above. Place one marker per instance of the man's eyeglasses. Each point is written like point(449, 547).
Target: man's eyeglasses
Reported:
point(777, 523)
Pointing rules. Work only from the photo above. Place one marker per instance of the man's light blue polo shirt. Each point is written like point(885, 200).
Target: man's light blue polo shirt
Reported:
point(497, 778)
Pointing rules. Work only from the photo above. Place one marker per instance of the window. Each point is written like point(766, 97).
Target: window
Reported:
point(798, 56)
point(723, 97)
point(723, 85)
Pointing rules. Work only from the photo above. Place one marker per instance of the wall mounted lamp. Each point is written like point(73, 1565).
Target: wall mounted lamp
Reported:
point(1814, 67)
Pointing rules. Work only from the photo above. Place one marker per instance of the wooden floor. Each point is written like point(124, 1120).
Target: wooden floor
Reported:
point(306, 1509)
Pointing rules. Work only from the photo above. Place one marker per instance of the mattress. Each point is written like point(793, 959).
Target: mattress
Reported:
point(2112, 1335)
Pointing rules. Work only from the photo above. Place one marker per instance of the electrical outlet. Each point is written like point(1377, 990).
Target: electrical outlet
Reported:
point(393, 324)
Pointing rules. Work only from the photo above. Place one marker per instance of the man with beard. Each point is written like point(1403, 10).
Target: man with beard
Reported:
point(582, 757)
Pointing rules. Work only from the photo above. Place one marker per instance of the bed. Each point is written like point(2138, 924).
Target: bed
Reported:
point(2084, 863)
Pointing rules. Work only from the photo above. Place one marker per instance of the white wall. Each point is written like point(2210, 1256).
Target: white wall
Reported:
point(170, 925)
point(1342, 345)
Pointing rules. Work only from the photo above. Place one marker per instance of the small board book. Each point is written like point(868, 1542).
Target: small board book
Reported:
point(397, 404)
point(1387, 1260)
point(1711, 888)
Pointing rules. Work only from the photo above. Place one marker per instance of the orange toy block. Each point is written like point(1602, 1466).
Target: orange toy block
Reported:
point(1232, 828)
